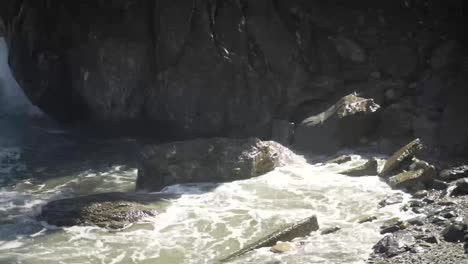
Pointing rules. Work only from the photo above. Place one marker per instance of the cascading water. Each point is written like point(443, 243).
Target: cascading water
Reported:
point(208, 222)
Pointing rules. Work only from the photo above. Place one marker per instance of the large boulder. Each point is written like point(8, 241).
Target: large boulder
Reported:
point(108, 210)
point(344, 123)
point(207, 160)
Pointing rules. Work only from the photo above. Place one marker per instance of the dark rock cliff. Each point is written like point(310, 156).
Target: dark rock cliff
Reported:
point(229, 67)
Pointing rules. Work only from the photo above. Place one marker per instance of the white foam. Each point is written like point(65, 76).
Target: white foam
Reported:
point(210, 221)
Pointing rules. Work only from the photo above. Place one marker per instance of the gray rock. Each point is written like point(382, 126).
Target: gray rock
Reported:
point(393, 199)
point(108, 210)
point(207, 160)
point(410, 179)
point(454, 173)
point(395, 243)
point(455, 232)
point(417, 220)
point(339, 160)
point(330, 230)
point(439, 185)
point(344, 123)
point(461, 188)
point(367, 169)
point(366, 218)
point(420, 194)
point(403, 154)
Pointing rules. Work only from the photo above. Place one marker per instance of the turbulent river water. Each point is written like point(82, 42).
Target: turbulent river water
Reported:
point(208, 222)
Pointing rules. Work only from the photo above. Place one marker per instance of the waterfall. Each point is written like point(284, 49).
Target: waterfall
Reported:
point(13, 101)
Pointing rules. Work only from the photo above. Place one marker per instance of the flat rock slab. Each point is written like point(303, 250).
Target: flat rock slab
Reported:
point(403, 154)
point(299, 229)
point(108, 210)
point(208, 160)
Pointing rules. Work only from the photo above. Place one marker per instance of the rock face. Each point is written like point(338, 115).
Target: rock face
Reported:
point(229, 68)
point(207, 160)
point(342, 124)
point(108, 210)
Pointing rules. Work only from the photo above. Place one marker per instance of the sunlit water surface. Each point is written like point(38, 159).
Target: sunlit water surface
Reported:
point(208, 222)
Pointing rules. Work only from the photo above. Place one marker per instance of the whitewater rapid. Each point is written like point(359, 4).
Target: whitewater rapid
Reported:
point(208, 222)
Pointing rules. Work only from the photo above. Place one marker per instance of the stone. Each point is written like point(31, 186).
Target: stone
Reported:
point(339, 160)
point(367, 169)
point(330, 230)
point(439, 185)
point(395, 243)
point(207, 160)
point(299, 229)
point(454, 173)
point(420, 194)
point(366, 218)
point(281, 248)
point(397, 61)
point(432, 239)
point(461, 187)
point(282, 132)
point(409, 179)
point(405, 153)
point(392, 199)
point(455, 232)
point(107, 210)
point(343, 124)
point(390, 229)
point(417, 220)
point(417, 249)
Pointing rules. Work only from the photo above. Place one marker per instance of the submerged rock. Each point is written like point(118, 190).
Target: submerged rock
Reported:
point(344, 123)
point(339, 160)
point(367, 169)
point(330, 230)
point(404, 154)
point(392, 199)
point(108, 210)
point(207, 160)
point(299, 229)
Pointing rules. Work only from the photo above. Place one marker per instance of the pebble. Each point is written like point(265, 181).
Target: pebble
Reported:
point(280, 248)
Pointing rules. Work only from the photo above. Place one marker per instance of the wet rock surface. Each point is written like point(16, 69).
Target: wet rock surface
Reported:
point(207, 160)
point(107, 210)
point(367, 169)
